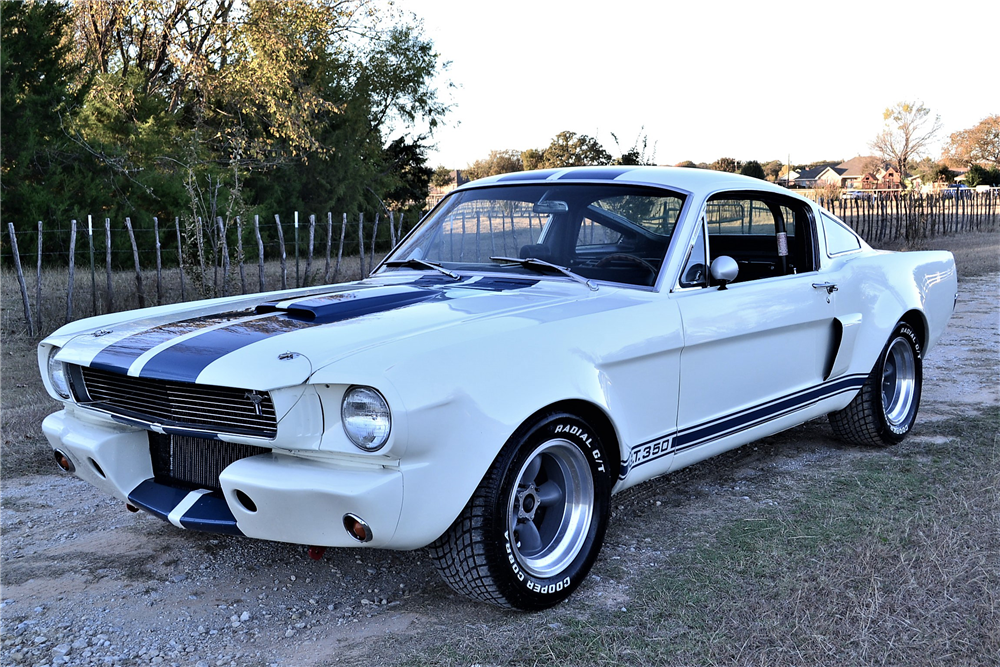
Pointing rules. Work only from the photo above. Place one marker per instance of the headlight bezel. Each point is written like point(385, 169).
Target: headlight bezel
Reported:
point(366, 437)
point(58, 378)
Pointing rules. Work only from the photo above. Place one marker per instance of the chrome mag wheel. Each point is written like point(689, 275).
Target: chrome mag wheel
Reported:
point(551, 508)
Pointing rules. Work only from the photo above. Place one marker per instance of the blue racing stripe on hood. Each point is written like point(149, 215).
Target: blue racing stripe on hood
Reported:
point(118, 357)
point(185, 361)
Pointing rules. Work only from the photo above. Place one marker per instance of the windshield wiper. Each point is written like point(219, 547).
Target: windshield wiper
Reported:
point(423, 264)
point(542, 266)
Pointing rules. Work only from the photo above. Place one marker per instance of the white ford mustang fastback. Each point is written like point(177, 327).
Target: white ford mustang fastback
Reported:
point(537, 343)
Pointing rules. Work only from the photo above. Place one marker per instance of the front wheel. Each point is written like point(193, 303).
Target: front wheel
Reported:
point(885, 409)
point(532, 530)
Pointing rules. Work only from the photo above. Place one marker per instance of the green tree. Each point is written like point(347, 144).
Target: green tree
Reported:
point(442, 177)
point(569, 149)
point(931, 171)
point(638, 154)
point(41, 167)
point(976, 144)
point(497, 162)
point(909, 129)
point(687, 163)
point(753, 168)
point(980, 175)
point(772, 169)
point(726, 164)
point(533, 158)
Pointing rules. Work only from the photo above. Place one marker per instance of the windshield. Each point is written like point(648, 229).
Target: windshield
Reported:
point(613, 233)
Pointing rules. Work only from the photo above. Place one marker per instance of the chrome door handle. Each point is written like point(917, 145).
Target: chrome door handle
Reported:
point(829, 287)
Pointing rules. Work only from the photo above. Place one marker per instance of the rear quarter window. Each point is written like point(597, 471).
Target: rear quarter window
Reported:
point(840, 238)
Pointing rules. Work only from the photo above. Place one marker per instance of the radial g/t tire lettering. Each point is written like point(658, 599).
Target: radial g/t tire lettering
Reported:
point(885, 409)
point(534, 526)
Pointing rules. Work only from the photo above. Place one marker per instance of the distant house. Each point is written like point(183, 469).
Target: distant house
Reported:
point(853, 174)
point(436, 194)
point(806, 178)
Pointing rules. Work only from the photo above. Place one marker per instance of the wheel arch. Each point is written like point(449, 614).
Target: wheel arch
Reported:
point(918, 322)
point(591, 413)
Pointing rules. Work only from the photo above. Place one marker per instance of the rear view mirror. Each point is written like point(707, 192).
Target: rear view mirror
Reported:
point(550, 206)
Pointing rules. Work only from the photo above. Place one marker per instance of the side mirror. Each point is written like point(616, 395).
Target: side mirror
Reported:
point(724, 269)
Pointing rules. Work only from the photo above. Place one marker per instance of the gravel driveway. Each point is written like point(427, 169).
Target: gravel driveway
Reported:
point(87, 583)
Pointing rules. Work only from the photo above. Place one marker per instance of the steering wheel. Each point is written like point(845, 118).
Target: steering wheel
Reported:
point(620, 256)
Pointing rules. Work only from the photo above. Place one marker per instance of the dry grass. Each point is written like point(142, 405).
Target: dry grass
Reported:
point(976, 253)
point(880, 558)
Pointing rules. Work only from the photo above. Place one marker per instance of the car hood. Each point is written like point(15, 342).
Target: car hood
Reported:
point(280, 339)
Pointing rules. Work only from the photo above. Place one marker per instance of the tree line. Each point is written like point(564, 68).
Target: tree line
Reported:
point(908, 130)
point(212, 108)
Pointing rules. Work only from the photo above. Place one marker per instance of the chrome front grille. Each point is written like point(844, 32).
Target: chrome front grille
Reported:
point(194, 462)
point(185, 405)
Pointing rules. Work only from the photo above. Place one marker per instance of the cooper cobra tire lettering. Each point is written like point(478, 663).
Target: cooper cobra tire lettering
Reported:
point(532, 530)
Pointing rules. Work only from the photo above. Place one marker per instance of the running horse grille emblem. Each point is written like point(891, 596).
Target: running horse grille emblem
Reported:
point(256, 399)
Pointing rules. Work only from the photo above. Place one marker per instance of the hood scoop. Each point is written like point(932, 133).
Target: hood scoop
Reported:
point(332, 308)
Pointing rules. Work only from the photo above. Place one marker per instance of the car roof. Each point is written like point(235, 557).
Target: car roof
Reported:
point(681, 178)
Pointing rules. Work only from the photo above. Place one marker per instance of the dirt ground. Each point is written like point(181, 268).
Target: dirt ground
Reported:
point(87, 583)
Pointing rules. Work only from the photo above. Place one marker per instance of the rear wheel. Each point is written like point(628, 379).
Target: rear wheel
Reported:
point(885, 409)
point(533, 528)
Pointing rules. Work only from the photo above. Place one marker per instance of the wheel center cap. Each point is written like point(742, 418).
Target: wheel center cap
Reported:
point(527, 502)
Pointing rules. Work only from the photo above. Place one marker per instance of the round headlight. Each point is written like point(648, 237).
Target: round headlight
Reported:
point(57, 374)
point(366, 418)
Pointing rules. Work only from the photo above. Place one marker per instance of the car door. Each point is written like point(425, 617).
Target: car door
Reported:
point(756, 349)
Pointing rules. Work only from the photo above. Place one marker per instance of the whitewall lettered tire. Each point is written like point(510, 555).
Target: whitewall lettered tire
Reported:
point(532, 530)
point(885, 409)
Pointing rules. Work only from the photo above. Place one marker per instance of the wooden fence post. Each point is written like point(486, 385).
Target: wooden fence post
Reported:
point(72, 267)
point(312, 238)
point(201, 251)
point(138, 271)
point(281, 243)
point(392, 229)
point(159, 265)
point(340, 249)
point(107, 263)
point(329, 241)
point(38, 280)
point(260, 252)
point(20, 279)
point(225, 256)
point(371, 258)
point(361, 242)
point(93, 276)
point(240, 254)
point(180, 255)
point(295, 230)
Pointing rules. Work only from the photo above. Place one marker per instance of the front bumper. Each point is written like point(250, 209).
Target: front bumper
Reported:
point(296, 499)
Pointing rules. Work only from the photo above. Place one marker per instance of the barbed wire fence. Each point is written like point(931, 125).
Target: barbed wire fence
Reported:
point(187, 262)
point(199, 259)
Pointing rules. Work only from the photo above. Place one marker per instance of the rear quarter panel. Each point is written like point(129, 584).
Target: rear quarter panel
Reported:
point(884, 287)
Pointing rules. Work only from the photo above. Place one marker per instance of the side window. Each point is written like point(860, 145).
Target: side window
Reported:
point(839, 239)
point(595, 235)
point(767, 235)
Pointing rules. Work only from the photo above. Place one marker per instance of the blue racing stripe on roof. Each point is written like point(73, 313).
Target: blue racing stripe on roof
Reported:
point(539, 175)
point(607, 174)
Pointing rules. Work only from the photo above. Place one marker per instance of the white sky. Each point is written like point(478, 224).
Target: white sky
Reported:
point(752, 80)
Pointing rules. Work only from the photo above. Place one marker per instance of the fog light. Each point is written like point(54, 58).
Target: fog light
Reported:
point(358, 529)
point(63, 461)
